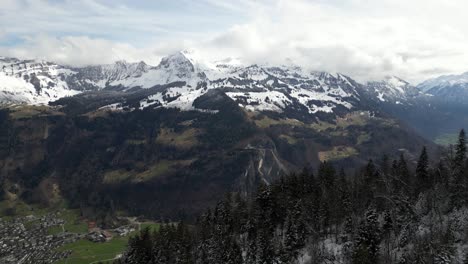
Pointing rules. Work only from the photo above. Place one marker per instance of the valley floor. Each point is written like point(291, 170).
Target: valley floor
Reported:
point(34, 235)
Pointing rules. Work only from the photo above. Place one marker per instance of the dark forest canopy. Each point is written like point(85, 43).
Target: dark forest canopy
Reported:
point(387, 212)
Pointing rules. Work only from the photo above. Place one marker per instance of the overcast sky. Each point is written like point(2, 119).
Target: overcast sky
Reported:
point(366, 39)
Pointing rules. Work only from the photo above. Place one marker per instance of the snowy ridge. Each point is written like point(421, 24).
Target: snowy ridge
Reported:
point(254, 87)
point(98, 77)
point(448, 88)
point(445, 81)
point(392, 89)
point(32, 82)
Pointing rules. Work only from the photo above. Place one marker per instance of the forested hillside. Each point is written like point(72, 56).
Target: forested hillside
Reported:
point(166, 163)
point(390, 211)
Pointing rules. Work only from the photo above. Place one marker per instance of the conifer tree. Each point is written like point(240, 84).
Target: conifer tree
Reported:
point(369, 174)
point(326, 175)
point(422, 171)
point(298, 213)
point(385, 164)
point(264, 254)
point(458, 184)
point(345, 205)
point(465, 260)
point(397, 185)
point(404, 175)
point(368, 240)
point(366, 185)
point(140, 248)
point(233, 254)
point(460, 150)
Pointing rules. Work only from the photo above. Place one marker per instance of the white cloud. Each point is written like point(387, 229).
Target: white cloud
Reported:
point(74, 50)
point(83, 50)
point(2, 34)
point(365, 39)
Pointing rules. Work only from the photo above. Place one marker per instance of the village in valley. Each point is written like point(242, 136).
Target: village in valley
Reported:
point(25, 240)
point(62, 237)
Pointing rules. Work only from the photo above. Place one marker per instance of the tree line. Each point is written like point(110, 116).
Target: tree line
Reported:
point(390, 211)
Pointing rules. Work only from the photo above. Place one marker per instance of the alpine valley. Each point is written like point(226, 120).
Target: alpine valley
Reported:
point(183, 133)
point(91, 152)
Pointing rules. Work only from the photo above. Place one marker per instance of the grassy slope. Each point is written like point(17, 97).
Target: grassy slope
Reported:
point(185, 139)
point(19, 208)
point(161, 168)
point(72, 223)
point(337, 130)
point(339, 152)
point(85, 252)
point(446, 139)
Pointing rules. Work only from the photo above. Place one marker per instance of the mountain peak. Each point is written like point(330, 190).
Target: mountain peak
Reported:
point(192, 55)
point(393, 89)
point(177, 58)
point(121, 62)
point(453, 88)
point(445, 81)
point(396, 82)
point(189, 52)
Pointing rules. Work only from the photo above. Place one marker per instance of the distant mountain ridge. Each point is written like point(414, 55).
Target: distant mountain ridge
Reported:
point(183, 66)
point(450, 88)
point(287, 90)
point(32, 82)
point(184, 132)
point(393, 89)
point(52, 81)
point(254, 87)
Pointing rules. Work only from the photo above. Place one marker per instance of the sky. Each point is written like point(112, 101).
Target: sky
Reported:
point(365, 39)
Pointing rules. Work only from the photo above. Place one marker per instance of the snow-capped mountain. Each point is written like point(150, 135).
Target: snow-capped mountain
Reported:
point(451, 88)
point(254, 87)
point(32, 82)
point(444, 81)
point(261, 88)
point(285, 88)
point(100, 76)
point(393, 90)
point(178, 67)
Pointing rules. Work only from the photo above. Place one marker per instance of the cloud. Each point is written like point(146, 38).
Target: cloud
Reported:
point(83, 50)
point(364, 39)
point(77, 18)
point(2, 35)
point(78, 50)
point(82, 32)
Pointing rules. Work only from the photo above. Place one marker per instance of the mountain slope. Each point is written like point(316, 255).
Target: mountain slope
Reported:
point(282, 91)
point(394, 90)
point(258, 88)
point(186, 131)
point(32, 82)
point(449, 88)
point(182, 161)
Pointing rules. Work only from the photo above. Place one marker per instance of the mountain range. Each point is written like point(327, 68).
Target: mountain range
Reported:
point(284, 89)
point(264, 88)
point(184, 132)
